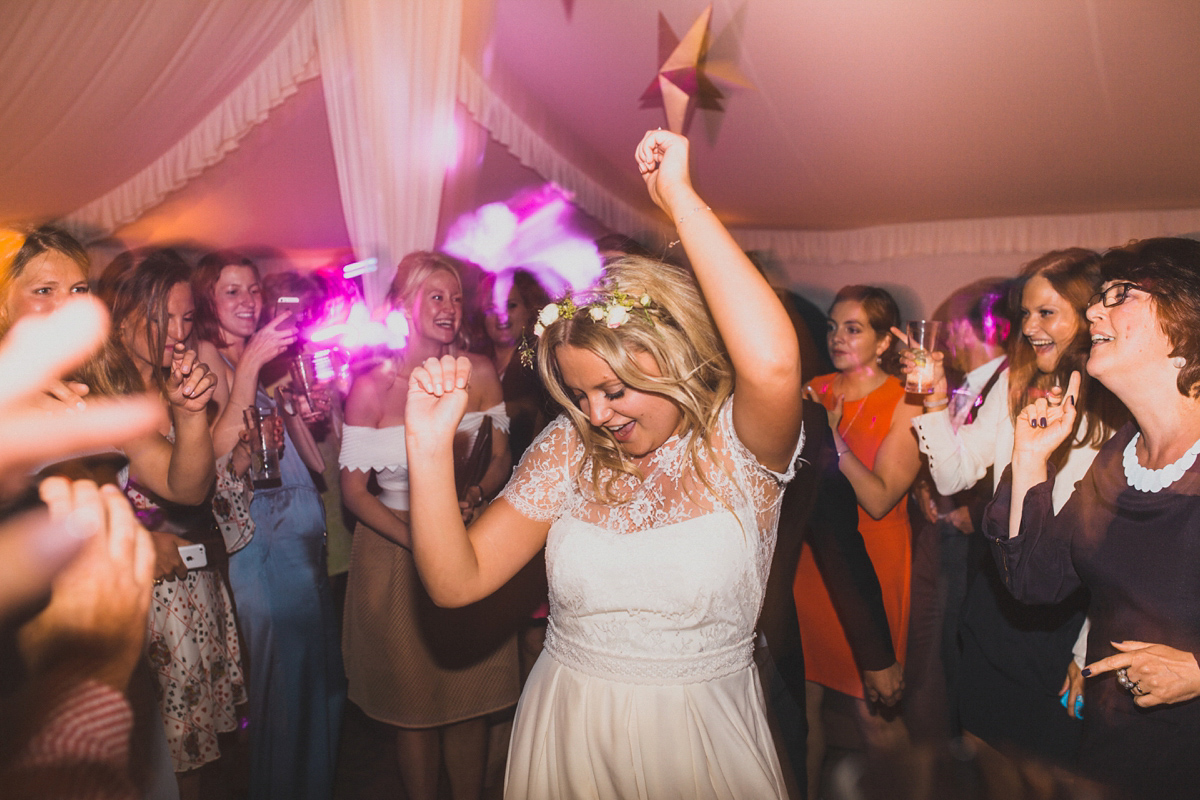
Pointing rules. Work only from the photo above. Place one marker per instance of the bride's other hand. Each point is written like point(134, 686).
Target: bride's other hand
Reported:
point(437, 397)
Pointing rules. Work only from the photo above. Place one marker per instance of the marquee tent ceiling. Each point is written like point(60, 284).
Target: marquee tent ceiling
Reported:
point(861, 112)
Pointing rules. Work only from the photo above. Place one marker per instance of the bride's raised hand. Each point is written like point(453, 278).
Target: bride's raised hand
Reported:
point(662, 159)
point(1042, 426)
point(437, 398)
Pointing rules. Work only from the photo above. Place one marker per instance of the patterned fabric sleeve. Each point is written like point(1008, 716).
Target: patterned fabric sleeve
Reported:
point(540, 485)
point(231, 506)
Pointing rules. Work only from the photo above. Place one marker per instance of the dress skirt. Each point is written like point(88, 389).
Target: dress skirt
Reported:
point(412, 664)
point(193, 648)
point(577, 736)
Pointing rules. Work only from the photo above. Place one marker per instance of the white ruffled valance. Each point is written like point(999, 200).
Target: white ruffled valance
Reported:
point(994, 236)
point(292, 62)
point(384, 226)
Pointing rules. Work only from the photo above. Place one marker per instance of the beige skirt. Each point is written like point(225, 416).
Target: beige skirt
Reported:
point(412, 664)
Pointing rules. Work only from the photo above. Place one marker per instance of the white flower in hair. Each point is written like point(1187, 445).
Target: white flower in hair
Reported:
point(596, 313)
point(549, 314)
point(645, 300)
point(617, 315)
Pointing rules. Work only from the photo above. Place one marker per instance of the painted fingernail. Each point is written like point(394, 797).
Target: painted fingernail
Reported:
point(1072, 399)
point(1042, 422)
point(1087, 673)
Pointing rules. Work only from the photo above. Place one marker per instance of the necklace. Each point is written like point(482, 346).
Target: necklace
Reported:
point(1155, 480)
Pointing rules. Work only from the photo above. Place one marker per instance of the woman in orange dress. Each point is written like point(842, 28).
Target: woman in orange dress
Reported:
point(878, 453)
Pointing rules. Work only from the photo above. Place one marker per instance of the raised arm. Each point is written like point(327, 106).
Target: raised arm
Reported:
point(1040, 429)
point(182, 472)
point(457, 566)
point(752, 322)
point(241, 384)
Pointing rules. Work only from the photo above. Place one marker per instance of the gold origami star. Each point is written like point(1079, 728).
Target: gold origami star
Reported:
point(684, 80)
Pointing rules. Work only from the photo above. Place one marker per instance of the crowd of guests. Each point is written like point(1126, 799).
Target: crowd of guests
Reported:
point(998, 572)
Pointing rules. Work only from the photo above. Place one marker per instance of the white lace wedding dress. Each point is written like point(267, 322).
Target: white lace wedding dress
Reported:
point(646, 687)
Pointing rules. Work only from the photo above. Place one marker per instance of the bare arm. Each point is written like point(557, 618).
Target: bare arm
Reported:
point(755, 327)
point(390, 524)
point(896, 465)
point(457, 567)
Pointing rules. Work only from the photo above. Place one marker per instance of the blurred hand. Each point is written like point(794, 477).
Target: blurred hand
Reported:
point(41, 420)
point(270, 340)
point(95, 623)
point(885, 686)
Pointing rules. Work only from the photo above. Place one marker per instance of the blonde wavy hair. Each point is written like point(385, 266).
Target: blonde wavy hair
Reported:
point(676, 329)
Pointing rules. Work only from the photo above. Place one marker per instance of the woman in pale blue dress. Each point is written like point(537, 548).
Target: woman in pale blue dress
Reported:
point(284, 606)
point(656, 497)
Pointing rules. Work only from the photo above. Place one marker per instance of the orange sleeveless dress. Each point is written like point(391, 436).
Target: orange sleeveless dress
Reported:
point(827, 656)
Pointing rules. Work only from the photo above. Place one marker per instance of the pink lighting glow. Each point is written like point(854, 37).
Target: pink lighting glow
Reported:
point(530, 232)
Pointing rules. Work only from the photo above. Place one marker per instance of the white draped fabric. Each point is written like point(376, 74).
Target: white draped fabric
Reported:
point(274, 80)
point(194, 77)
point(389, 71)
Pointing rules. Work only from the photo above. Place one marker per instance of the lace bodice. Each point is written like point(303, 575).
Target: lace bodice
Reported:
point(663, 588)
point(383, 450)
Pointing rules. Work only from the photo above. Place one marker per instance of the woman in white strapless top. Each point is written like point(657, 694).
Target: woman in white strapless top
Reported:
point(656, 496)
point(432, 674)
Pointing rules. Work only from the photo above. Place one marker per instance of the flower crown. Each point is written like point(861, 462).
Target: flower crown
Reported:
point(613, 308)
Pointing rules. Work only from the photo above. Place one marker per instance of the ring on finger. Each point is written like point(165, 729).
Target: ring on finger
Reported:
point(1135, 688)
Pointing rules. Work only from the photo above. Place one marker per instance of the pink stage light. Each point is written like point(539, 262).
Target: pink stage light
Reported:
point(531, 232)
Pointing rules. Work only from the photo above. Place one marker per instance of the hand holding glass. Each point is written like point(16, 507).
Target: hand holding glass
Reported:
point(922, 335)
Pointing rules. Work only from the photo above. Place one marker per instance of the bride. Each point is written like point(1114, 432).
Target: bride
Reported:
point(656, 496)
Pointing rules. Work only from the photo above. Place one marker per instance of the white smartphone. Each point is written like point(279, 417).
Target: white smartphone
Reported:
point(194, 556)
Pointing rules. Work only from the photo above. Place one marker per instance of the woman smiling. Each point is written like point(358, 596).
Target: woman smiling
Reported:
point(1129, 532)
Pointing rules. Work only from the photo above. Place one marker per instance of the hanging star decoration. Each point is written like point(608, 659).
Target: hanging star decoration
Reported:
point(685, 79)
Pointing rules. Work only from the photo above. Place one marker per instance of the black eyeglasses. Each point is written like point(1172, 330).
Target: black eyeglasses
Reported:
point(1114, 295)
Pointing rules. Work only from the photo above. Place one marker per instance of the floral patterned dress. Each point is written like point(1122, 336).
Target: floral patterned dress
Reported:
point(194, 651)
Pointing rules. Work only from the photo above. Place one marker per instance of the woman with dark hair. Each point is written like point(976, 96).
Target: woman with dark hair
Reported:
point(516, 297)
point(193, 644)
point(1016, 661)
point(278, 578)
point(1128, 533)
point(877, 453)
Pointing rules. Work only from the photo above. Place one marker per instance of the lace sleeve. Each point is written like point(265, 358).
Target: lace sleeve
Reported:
point(541, 484)
point(747, 460)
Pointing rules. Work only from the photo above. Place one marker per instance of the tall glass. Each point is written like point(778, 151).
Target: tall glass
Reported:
point(922, 336)
point(264, 469)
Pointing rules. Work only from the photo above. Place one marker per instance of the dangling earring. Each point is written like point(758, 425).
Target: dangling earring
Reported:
point(1178, 362)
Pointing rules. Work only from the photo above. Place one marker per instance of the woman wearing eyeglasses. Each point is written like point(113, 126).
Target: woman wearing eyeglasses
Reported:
point(1130, 533)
